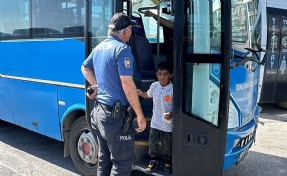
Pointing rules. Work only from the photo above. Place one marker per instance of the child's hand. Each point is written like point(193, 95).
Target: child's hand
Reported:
point(167, 115)
point(139, 92)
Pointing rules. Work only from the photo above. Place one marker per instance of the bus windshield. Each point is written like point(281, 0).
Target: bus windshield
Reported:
point(243, 16)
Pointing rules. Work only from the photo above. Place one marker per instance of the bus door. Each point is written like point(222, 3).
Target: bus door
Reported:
point(201, 86)
point(98, 16)
point(275, 80)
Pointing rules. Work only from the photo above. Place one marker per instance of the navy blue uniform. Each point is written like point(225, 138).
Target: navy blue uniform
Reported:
point(111, 59)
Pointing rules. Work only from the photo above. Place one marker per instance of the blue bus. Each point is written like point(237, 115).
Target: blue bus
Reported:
point(43, 44)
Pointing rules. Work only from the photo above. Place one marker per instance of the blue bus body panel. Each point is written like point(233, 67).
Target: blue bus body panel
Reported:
point(70, 109)
point(244, 88)
point(57, 59)
point(74, 99)
point(6, 112)
point(244, 92)
point(232, 153)
point(35, 107)
point(37, 70)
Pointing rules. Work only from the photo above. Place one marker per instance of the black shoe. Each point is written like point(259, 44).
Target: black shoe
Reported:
point(152, 166)
point(167, 168)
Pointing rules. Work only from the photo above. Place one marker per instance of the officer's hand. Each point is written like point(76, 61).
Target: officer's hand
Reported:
point(94, 90)
point(141, 124)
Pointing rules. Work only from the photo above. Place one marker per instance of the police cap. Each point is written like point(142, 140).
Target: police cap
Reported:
point(121, 21)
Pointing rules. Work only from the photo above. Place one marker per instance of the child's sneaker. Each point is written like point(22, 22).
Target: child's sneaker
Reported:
point(152, 166)
point(167, 168)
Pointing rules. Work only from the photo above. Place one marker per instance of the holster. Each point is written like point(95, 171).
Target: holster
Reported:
point(117, 109)
point(128, 120)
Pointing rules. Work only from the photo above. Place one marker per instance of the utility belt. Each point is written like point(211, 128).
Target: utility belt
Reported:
point(118, 111)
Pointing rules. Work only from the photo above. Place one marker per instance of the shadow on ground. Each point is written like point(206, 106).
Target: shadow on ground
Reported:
point(35, 144)
point(268, 113)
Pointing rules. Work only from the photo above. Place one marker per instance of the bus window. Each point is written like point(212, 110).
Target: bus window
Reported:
point(201, 91)
point(207, 26)
point(59, 19)
point(252, 11)
point(255, 23)
point(149, 23)
point(239, 22)
point(201, 80)
point(14, 19)
point(243, 17)
point(256, 34)
point(100, 18)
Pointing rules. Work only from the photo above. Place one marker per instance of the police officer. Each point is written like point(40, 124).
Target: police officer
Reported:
point(109, 70)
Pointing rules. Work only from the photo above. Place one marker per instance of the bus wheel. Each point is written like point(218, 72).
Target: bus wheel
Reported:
point(83, 147)
point(282, 104)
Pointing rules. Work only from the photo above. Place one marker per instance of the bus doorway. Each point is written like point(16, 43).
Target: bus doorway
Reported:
point(200, 57)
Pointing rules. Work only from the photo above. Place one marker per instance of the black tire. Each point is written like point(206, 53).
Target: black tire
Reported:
point(80, 131)
point(282, 105)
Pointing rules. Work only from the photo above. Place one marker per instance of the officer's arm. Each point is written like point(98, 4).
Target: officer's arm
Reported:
point(133, 98)
point(89, 74)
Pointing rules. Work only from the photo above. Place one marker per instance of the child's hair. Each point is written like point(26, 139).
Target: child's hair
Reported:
point(164, 65)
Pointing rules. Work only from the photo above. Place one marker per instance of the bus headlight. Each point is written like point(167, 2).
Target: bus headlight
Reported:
point(233, 120)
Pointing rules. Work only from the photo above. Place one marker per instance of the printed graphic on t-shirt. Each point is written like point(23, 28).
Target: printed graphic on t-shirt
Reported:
point(167, 98)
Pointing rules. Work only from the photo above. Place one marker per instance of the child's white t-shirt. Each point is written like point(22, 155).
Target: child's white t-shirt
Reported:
point(162, 103)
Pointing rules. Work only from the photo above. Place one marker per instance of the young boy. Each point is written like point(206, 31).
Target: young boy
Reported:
point(161, 123)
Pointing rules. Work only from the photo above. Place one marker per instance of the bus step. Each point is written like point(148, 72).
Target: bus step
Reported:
point(142, 165)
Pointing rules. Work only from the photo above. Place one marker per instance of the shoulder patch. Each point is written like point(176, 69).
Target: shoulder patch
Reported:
point(127, 62)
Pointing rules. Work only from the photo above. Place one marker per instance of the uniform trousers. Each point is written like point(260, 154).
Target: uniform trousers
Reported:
point(115, 149)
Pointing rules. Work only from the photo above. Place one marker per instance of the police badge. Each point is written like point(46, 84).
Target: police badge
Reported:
point(127, 62)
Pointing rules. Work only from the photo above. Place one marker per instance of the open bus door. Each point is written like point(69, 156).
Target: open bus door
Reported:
point(98, 15)
point(201, 86)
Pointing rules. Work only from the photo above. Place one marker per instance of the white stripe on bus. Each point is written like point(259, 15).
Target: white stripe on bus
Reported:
point(44, 81)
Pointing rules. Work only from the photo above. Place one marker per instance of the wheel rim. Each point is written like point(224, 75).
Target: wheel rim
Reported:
point(87, 148)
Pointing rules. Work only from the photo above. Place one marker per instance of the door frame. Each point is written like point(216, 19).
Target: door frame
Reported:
point(191, 159)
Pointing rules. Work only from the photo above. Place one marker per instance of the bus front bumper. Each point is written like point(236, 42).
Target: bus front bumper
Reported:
point(238, 143)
